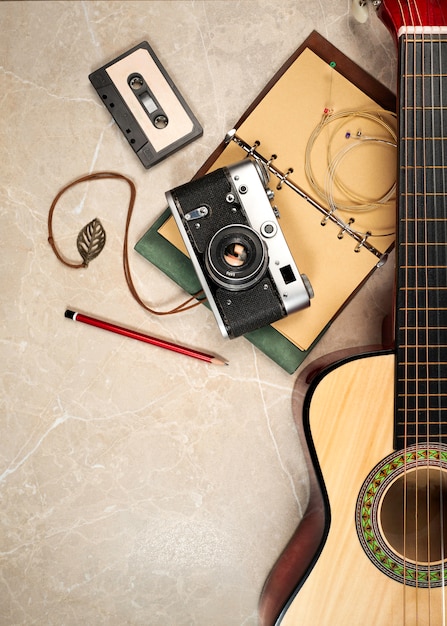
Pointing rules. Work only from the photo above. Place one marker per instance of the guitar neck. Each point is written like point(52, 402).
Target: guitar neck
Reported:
point(421, 308)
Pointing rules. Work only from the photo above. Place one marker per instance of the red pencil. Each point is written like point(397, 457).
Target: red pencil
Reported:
point(133, 334)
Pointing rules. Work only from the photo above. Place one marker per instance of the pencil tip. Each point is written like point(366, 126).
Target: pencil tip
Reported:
point(216, 361)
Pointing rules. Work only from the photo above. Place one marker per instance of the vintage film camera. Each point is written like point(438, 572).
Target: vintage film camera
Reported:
point(238, 250)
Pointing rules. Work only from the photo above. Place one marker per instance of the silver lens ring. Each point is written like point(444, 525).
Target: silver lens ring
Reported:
point(236, 257)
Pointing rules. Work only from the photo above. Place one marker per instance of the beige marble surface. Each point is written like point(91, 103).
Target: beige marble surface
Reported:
point(138, 486)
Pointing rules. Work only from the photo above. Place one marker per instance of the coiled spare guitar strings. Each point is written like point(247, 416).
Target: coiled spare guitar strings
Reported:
point(332, 180)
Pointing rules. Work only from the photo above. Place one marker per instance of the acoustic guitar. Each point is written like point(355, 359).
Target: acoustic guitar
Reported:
point(372, 546)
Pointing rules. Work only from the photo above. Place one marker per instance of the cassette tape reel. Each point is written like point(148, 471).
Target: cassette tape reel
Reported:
point(145, 104)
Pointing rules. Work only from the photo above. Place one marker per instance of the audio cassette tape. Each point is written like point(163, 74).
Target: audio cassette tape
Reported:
point(145, 104)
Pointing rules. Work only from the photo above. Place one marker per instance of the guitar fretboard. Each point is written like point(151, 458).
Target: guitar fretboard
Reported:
point(421, 313)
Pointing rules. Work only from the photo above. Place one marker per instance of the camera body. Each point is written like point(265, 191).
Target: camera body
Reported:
point(237, 248)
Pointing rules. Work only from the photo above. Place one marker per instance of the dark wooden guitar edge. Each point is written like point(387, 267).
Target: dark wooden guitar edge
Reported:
point(301, 552)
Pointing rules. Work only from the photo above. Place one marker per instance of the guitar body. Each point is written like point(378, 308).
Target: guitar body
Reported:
point(348, 417)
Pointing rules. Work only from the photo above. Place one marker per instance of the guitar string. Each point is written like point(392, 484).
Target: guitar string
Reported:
point(439, 407)
point(434, 213)
point(436, 304)
point(418, 261)
point(354, 202)
point(442, 80)
point(426, 315)
point(439, 237)
point(415, 215)
point(405, 54)
point(419, 326)
point(438, 322)
point(409, 59)
point(431, 213)
point(422, 321)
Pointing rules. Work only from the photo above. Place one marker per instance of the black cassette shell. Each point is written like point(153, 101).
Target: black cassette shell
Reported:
point(115, 98)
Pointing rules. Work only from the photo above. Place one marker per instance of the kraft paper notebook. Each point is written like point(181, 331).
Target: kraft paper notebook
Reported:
point(337, 250)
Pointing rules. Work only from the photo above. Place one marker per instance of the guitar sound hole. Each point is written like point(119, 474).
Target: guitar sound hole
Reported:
point(413, 515)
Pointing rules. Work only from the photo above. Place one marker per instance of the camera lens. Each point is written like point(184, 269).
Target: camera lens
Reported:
point(236, 254)
point(236, 257)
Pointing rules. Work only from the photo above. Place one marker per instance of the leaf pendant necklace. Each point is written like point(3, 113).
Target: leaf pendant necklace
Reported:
point(91, 240)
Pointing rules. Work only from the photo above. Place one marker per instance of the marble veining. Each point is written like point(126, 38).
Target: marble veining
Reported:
point(138, 486)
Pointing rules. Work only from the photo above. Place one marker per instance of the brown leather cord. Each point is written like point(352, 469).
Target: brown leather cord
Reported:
point(184, 306)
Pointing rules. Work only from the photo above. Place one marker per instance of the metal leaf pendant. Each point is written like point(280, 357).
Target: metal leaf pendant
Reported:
point(91, 240)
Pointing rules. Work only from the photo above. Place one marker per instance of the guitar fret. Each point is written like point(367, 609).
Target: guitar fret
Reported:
point(423, 327)
point(422, 243)
point(432, 425)
point(423, 412)
point(425, 194)
point(424, 108)
point(410, 437)
point(427, 75)
point(425, 138)
point(422, 167)
point(404, 346)
point(420, 364)
point(435, 383)
point(425, 395)
point(423, 39)
point(422, 426)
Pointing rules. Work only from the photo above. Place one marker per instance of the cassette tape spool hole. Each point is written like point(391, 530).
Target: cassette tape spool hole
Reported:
point(148, 101)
